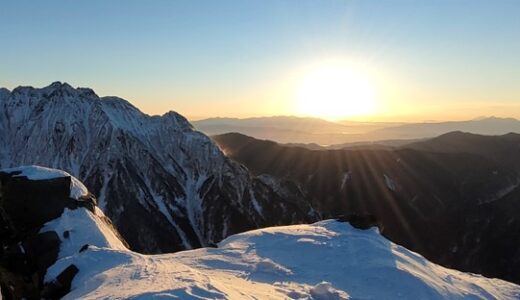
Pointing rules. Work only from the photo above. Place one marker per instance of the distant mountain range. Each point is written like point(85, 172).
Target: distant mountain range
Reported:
point(290, 129)
point(302, 131)
point(486, 126)
point(454, 198)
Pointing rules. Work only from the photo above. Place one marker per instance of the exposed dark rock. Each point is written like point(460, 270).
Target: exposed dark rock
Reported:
point(60, 286)
point(359, 221)
point(27, 204)
point(84, 248)
point(15, 286)
point(25, 253)
point(41, 251)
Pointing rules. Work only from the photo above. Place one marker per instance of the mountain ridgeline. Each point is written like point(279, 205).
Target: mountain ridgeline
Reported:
point(454, 199)
point(166, 186)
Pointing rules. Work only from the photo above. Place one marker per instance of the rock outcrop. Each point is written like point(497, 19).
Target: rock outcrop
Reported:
point(32, 198)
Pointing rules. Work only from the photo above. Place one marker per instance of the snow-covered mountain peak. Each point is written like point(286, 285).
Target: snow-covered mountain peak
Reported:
point(57, 85)
point(56, 88)
point(155, 171)
point(174, 119)
point(121, 103)
point(3, 93)
point(52, 99)
point(87, 92)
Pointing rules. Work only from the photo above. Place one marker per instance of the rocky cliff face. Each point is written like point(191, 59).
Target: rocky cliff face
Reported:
point(46, 215)
point(165, 186)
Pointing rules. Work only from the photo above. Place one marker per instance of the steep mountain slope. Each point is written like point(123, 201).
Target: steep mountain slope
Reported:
point(170, 187)
point(458, 209)
point(502, 149)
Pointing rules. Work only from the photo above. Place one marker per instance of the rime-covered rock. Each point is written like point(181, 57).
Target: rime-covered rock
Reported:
point(46, 215)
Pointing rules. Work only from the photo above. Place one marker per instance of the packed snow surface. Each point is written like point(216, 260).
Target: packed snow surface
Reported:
point(82, 227)
point(77, 189)
point(325, 260)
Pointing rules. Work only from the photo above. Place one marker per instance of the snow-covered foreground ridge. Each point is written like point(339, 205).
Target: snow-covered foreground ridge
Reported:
point(324, 260)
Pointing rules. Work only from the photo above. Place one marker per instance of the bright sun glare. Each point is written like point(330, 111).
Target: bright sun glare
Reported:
point(335, 92)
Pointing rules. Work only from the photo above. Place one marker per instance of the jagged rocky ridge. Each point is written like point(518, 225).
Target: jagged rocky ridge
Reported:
point(60, 245)
point(166, 186)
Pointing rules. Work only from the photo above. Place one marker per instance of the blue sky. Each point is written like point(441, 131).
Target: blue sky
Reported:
point(238, 58)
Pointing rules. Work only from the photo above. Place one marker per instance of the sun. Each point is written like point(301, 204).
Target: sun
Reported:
point(335, 92)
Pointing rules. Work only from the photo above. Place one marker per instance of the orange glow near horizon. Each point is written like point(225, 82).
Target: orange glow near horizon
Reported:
point(334, 88)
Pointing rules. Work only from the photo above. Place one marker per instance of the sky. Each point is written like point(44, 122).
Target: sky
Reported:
point(420, 60)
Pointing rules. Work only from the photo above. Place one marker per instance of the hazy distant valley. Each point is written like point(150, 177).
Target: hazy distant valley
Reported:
point(317, 133)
